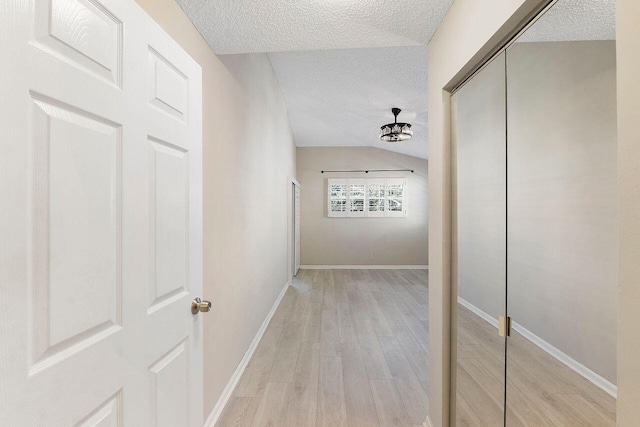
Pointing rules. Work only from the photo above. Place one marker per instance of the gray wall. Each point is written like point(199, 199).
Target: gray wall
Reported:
point(360, 241)
point(562, 229)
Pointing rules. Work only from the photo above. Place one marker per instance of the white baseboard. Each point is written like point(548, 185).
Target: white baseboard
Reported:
point(364, 267)
point(212, 419)
point(606, 385)
point(481, 314)
point(600, 382)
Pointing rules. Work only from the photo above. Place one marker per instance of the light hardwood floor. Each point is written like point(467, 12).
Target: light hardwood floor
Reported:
point(344, 348)
point(541, 391)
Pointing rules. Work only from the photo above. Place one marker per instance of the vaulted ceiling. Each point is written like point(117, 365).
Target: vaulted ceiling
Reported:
point(343, 64)
point(342, 97)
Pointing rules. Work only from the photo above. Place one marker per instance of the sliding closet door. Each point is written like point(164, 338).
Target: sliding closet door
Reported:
point(479, 130)
point(562, 248)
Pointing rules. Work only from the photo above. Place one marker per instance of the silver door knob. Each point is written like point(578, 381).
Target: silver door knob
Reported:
point(197, 306)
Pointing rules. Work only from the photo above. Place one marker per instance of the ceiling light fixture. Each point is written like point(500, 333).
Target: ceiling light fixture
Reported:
point(395, 132)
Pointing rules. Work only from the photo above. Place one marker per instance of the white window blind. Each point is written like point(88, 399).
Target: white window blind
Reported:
point(357, 196)
point(337, 197)
point(376, 201)
point(367, 197)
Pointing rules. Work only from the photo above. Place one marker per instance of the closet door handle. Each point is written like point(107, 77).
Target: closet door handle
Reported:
point(504, 326)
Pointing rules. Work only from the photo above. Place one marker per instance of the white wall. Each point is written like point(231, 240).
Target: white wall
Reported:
point(562, 237)
point(481, 154)
point(248, 153)
point(628, 70)
point(361, 241)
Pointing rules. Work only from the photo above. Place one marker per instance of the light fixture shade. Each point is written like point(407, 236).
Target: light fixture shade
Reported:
point(395, 132)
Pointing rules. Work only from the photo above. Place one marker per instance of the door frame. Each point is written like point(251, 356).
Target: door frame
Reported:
point(291, 181)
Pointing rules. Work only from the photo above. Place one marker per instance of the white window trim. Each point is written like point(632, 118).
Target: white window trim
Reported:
point(347, 182)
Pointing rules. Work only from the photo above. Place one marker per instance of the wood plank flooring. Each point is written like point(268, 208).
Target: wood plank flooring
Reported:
point(541, 391)
point(344, 348)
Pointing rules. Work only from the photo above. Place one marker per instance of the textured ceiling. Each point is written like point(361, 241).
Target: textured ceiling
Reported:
point(572, 20)
point(241, 26)
point(335, 65)
point(342, 97)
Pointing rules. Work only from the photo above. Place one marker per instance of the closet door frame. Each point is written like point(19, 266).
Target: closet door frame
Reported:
point(291, 182)
point(468, 72)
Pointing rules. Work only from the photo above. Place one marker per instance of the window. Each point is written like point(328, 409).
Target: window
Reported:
point(337, 197)
point(359, 197)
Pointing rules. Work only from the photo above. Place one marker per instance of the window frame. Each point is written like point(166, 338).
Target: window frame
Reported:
point(367, 182)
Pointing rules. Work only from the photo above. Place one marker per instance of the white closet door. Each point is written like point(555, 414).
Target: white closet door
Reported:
point(297, 227)
point(100, 172)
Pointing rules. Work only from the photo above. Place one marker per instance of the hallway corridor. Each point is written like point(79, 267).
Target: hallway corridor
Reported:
point(345, 347)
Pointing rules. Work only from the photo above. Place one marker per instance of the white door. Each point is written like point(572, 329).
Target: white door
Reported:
point(296, 228)
point(100, 218)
